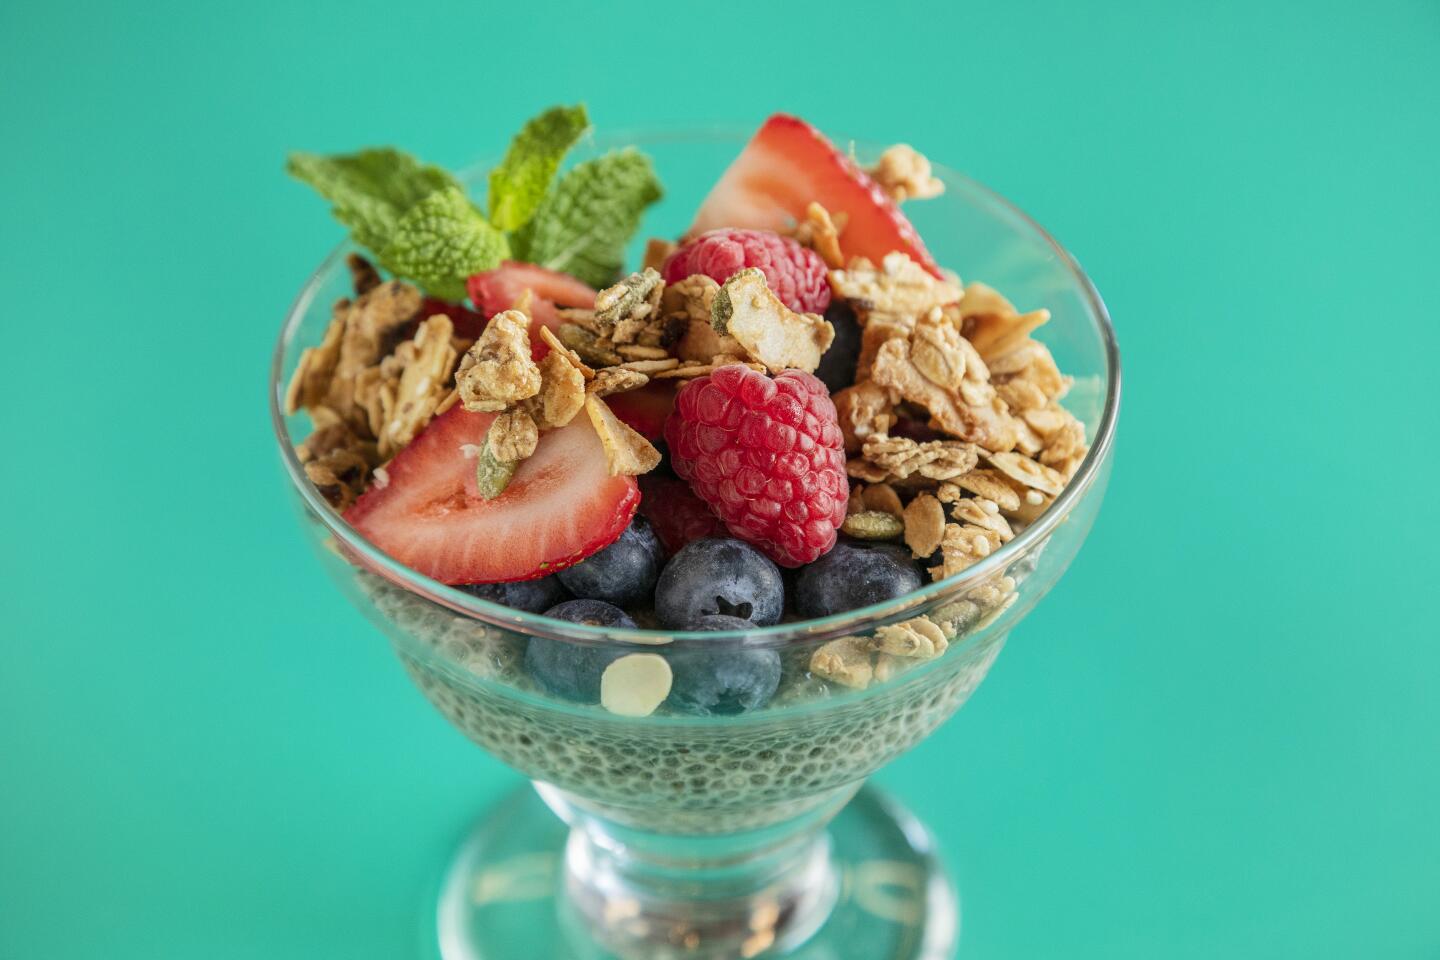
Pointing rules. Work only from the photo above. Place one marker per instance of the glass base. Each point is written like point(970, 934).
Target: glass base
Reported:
point(504, 898)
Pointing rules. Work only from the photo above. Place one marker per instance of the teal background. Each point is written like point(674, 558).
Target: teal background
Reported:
point(1219, 735)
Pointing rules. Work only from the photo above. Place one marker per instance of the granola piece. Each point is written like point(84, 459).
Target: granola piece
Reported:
point(690, 299)
point(310, 383)
point(339, 476)
point(626, 308)
point(513, 436)
point(872, 525)
point(820, 232)
point(982, 300)
point(1032, 504)
point(924, 525)
point(879, 329)
point(888, 666)
point(990, 484)
point(562, 390)
point(1027, 473)
point(918, 639)
point(498, 371)
point(627, 453)
point(992, 323)
point(1022, 397)
point(904, 173)
point(570, 356)
point(900, 457)
point(956, 618)
point(745, 308)
point(616, 380)
point(882, 496)
point(424, 366)
point(962, 546)
point(972, 413)
point(588, 346)
point(636, 351)
point(847, 661)
point(863, 410)
point(657, 249)
point(980, 512)
point(690, 369)
point(648, 367)
point(1031, 362)
point(936, 352)
point(900, 286)
point(372, 323)
point(363, 275)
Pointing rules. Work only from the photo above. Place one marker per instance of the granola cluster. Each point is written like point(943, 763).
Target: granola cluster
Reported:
point(954, 424)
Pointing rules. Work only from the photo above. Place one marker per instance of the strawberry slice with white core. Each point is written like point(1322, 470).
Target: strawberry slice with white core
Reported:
point(499, 289)
point(785, 167)
point(560, 507)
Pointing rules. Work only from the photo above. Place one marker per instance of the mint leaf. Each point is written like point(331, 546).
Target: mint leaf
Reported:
point(370, 190)
point(442, 240)
point(583, 224)
point(519, 183)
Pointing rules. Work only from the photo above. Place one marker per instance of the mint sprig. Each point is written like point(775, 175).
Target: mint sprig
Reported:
point(583, 225)
point(521, 180)
point(442, 240)
point(370, 190)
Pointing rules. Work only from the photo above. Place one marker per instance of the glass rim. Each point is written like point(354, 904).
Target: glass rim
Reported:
point(778, 635)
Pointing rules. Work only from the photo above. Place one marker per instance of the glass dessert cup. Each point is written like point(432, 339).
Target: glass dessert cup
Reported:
point(724, 836)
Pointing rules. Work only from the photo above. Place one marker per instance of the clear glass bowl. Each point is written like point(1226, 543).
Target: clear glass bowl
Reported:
point(707, 836)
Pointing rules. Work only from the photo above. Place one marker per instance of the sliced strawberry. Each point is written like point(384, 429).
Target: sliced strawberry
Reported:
point(560, 507)
point(467, 322)
point(645, 410)
point(787, 165)
point(499, 289)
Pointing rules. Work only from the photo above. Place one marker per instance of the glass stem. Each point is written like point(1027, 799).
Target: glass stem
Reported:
point(638, 891)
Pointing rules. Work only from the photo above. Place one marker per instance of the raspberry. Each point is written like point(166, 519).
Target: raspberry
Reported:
point(677, 515)
point(767, 455)
point(795, 273)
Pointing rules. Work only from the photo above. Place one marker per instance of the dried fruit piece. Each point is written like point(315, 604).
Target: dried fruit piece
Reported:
point(627, 453)
point(772, 333)
point(497, 371)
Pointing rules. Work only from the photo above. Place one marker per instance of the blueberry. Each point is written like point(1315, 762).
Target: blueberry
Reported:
point(572, 670)
point(837, 366)
point(727, 680)
point(532, 596)
point(727, 577)
point(853, 575)
point(622, 573)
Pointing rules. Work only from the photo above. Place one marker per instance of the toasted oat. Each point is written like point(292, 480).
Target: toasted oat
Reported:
point(882, 496)
point(1023, 398)
point(990, 484)
point(962, 546)
point(657, 250)
point(688, 370)
point(872, 525)
point(570, 356)
point(627, 453)
point(690, 298)
point(616, 380)
point(372, 323)
point(924, 525)
point(936, 352)
point(983, 513)
point(847, 661)
point(937, 460)
point(918, 639)
point(820, 232)
point(497, 371)
point(879, 330)
point(904, 173)
point(900, 286)
point(310, 383)
point(635, 351)
point(863, 410)
point(450, 399)
point(513, 436)
point(425, 364)
point(1031, 363)
point(339, 476)
point(648, 367)
point(971, 413)
point(562, 391)
point(1028, 474)
point(770, 332)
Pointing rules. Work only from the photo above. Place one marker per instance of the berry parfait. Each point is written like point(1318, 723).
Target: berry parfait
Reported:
point(695, 546)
